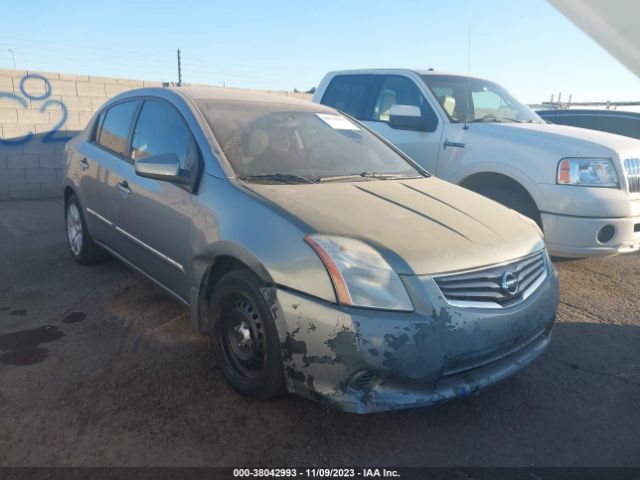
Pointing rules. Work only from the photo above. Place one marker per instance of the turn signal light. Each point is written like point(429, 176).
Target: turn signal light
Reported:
point(564, 172)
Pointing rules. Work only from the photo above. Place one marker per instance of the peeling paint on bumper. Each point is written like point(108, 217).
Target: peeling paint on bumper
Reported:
point(364, 361)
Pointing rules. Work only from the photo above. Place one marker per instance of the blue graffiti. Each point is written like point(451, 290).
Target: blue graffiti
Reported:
point(47, 86)
point(49, 136)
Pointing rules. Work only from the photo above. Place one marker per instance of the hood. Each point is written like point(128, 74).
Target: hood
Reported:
point(421, 226)
point(564, 140)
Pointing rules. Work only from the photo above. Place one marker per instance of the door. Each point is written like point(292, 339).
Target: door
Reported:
point(98, 160)
point(421, 145)
point(154, 217)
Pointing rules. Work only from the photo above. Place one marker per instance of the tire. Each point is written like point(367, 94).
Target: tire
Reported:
point(515, 200)
point(81, 246)
point(244, 338)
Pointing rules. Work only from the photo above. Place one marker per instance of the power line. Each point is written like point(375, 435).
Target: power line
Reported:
point(80, 47)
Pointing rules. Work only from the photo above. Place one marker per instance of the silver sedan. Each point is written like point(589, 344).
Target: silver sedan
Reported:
point(318, 258)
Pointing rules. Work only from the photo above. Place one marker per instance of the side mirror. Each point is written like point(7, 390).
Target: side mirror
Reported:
point(407, 117)
point(165, 166)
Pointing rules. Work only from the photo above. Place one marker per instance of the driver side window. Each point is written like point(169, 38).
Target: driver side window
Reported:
point(399, 90)
point(160, 129)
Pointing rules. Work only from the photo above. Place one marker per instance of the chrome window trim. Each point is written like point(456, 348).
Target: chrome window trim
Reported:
point(493, 305)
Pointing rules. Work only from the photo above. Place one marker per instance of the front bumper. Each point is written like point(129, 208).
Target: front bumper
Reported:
point(363, 361)
point(570, 236)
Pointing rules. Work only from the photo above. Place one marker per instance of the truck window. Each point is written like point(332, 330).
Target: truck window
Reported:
point(486, 102)
point(399, 90)
point(346, 93)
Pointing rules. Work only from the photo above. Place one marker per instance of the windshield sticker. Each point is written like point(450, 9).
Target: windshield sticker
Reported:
point(337, 122)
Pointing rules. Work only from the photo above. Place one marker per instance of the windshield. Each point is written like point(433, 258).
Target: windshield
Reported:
point(283, 144)
point(488, 101)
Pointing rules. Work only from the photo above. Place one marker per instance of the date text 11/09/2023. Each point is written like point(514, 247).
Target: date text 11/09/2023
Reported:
point(315, 473)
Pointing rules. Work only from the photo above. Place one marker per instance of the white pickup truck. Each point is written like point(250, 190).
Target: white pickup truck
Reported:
point(581, 186)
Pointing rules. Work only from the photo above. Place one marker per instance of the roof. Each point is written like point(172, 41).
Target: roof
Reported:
point(240, 95)
point(403, 70)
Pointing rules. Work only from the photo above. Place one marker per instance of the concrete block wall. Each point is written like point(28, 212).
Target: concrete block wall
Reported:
point(39, 113)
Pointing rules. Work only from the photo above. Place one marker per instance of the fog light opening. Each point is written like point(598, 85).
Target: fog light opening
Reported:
point(363, 380)
point(606, 233)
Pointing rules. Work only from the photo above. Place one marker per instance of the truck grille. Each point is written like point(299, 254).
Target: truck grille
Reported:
point(632, 169)
point(497, 286)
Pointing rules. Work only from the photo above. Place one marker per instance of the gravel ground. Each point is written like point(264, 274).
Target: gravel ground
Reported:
point(99, 367)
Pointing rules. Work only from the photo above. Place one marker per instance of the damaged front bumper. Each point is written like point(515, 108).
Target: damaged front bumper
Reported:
point(364, 361)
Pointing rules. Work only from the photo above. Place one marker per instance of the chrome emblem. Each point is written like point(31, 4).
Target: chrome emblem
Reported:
point(509, 283)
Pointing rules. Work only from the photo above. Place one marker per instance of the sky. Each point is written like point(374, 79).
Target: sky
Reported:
point(527, 46)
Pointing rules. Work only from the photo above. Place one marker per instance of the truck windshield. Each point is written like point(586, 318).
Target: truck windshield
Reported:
point(277, 143)
point(487, 101)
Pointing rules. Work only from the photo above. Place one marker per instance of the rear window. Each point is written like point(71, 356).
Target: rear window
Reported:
point(347, 93)
point(115, 127)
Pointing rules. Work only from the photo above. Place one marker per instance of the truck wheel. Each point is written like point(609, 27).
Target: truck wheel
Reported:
point(82, 247)
point(244, 338)
point(514, 200)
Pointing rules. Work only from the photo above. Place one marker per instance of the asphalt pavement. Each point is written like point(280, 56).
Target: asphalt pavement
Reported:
point(100, 367)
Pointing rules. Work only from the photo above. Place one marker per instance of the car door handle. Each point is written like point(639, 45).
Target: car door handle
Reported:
point(84, 164)
point(123, 188)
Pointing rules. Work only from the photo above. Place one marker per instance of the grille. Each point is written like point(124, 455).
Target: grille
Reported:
point(632, 169)
point(484, 287)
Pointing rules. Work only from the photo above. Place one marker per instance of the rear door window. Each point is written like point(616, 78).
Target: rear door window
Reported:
point(347, 93)
point(115, 127)
point(161, 129)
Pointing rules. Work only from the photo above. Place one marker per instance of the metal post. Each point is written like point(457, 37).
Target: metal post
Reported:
point(179, 70)
point(13, 56)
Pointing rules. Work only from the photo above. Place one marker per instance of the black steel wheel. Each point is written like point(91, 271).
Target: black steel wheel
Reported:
point(241, 337)
point(244, 338)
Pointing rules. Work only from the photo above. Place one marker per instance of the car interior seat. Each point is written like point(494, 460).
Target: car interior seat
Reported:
point(449, 104)
point(254, 144)
point(387, 101)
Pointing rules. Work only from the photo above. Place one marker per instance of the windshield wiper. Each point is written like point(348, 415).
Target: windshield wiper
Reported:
point(278, 177)
point(375, 175)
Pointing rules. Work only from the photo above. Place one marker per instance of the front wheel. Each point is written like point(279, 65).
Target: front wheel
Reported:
point(244, 337)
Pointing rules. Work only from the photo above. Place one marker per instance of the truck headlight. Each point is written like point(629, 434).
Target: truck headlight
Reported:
point(588, 172)
point(360, 276)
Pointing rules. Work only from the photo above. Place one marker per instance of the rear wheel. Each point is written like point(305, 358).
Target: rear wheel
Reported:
point(82, 247)
point(244, 338)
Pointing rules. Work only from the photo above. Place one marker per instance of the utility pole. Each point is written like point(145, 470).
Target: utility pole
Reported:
point(179, 70)
point(13, 56)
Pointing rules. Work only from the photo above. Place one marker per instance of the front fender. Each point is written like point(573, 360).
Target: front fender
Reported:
point(233, 222)
point(460, 175)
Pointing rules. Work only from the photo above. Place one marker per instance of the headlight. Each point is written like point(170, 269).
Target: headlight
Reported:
point(589, 172)
point(360, 276)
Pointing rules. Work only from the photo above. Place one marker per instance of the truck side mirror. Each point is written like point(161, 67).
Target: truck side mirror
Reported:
point(407, 117)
